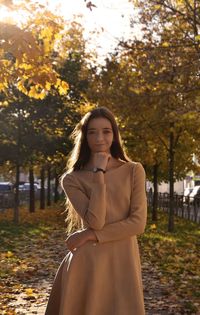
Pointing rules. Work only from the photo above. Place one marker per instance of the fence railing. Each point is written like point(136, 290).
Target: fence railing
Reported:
point(185, 207)
point(7, 199)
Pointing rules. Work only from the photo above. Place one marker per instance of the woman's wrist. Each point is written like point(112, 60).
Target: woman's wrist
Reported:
point(98, 178)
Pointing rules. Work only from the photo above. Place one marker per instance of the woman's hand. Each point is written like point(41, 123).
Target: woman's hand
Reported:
point(79, 238)
point(101, 159)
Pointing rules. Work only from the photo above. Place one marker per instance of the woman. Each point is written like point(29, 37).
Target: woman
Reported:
point(101, 273)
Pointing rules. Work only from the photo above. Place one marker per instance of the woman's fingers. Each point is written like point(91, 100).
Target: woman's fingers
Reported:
point(73, 243)
point(76, 240)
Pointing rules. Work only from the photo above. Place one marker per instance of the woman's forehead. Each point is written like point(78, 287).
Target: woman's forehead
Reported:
point(100, 122)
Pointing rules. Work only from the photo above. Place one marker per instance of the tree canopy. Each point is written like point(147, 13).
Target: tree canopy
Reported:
point(27, 51)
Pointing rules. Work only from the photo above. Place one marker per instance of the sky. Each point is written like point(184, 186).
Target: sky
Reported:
point(110, 19)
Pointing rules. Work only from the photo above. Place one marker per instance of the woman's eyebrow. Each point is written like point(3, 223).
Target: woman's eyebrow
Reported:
point(102, 128)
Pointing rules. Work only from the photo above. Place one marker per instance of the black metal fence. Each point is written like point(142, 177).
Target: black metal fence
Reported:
point(7, 198)
point(184, 207)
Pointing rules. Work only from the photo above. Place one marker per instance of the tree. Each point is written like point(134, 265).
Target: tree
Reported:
point(27, 51)
point(45, 125)
point(173, 27)
point(153, 95)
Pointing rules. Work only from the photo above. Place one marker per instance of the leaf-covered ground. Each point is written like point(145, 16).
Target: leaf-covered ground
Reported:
point(32, 251)
point(171, 265)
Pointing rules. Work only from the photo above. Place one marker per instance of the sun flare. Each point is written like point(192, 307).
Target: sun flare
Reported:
point(10, 16)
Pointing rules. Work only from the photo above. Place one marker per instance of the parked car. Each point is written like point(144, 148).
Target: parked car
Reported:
point(195, 194)
point(194, 191)
point(187, 192)
point(197, 197)
point(6, 187)
point(26, 187)
point(6, 195)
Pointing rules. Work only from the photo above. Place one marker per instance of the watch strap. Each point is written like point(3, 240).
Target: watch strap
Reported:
point(98, 169)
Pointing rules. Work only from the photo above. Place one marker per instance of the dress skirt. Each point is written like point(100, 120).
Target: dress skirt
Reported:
point(99, 279)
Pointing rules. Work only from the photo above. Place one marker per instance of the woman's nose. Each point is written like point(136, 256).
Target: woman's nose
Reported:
point(99, 136)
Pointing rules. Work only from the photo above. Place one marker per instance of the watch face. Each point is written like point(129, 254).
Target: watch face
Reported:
point(97, 169)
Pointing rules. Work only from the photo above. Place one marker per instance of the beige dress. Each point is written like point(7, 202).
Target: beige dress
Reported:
point(104, 277)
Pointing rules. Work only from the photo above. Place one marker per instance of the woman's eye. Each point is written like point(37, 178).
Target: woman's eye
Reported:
point(91, 132)
point(94, 132)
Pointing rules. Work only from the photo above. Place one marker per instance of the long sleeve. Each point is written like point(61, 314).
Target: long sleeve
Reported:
point(92, 210)
point(135, 223)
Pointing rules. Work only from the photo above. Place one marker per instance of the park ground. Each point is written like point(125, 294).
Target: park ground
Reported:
point(31, 253)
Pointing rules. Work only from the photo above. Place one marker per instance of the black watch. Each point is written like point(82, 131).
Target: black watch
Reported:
point(98, 169)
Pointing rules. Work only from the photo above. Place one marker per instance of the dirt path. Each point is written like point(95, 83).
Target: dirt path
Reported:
point(157, 299)
point(160, 299)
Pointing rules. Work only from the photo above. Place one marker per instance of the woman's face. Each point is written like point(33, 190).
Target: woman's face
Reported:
point(99, 135)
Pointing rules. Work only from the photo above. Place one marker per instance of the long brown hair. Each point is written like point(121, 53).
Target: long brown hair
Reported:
point(80, 154)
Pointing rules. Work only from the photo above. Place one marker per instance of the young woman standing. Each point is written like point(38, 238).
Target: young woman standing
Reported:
point(101, 273)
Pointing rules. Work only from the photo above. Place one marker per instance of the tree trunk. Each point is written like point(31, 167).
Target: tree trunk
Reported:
point(16, 200)
point(16, 195)
point(155, 193)
point(32, 191)
point(56, 193)
point(171, 180)
point(42, 191)
point(49, 186)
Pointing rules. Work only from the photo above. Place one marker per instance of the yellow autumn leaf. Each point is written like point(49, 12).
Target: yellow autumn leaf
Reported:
point(6, 63)
point(25, 66)
point(2, 87)
point(29, 291)
point(136, 90)
point(46, 46)
point(9, 254)
point(61, 90)
point(153, 226)
point(197, 38)
point(144, 55)
point(48, 86)
point(58, 36)
point(41, 95)
point(21, 87)
point(156, 6)
point(32, 92)
point(58, 82)
point(4, 104)
point(63, 87)
point(46, 32)
point(165, 44)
